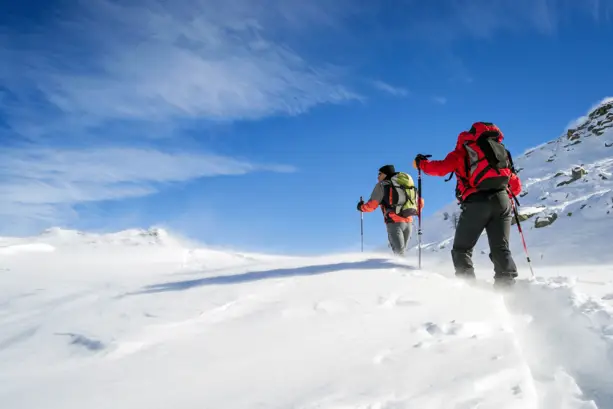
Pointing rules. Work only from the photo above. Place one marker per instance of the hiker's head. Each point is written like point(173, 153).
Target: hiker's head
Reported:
point(385, 171)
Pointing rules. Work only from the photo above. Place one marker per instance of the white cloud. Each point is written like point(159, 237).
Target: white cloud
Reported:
point(41, 186)
point(390, 89)
point(105, 73)
point(158, 60)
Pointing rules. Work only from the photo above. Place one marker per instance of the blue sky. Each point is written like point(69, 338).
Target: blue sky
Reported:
point(258, 124)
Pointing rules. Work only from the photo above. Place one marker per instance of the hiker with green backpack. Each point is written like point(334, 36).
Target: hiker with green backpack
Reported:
point(396, 194)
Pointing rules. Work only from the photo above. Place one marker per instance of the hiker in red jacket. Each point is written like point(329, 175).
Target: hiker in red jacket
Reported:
point(485, 182)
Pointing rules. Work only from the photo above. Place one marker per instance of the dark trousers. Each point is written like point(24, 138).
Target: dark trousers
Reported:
point(492, 212)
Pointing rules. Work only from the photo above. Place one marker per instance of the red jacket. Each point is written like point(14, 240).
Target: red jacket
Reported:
point(454, 162)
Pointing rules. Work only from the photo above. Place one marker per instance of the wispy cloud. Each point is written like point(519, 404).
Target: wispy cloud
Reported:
point(42, 186)
point(440, 100)
point(110, 77)
point(481, 19)
point(102, 60)
point(390, 89)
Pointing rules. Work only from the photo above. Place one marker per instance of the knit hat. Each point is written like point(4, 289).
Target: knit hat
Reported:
point(388, 170)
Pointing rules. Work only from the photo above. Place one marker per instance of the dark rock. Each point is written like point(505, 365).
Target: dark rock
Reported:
point(577, 173)
point(544, 221)
point(522, 217)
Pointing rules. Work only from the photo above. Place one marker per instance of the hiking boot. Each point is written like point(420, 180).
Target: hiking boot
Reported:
point(469, 278)
point(504, 283)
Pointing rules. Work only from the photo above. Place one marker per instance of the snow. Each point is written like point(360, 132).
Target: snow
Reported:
point(145, 319)
point(23, 248)
point(161, 324)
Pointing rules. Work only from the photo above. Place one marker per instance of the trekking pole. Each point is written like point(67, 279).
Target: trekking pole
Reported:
point(362, 226)
point(419, 215)
point(521, 233)
point(419, 211)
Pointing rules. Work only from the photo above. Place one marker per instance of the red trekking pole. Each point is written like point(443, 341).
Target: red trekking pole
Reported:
point(521, 233)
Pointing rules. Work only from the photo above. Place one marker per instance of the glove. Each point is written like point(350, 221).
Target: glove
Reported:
point(359, 206)
point(419, 158)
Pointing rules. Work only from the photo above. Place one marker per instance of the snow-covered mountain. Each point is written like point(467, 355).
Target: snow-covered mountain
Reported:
point(566, 201)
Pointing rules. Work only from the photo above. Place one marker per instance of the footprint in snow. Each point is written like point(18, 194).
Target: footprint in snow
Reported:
point(438, 333)
point(397, 301)
point(336, 306)
point(84, 341)
point(382, 356)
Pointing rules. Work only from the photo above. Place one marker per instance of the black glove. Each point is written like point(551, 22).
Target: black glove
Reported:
point(419, 158)
point(360, 204)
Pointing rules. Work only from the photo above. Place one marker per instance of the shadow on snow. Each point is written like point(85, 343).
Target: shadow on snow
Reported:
point(371, 264)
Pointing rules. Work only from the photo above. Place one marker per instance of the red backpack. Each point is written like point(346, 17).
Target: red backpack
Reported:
point(487, 163)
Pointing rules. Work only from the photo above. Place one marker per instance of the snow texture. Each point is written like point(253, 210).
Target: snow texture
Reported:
point(136, 320)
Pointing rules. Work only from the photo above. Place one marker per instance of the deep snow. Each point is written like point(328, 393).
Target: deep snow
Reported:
point(139, 319)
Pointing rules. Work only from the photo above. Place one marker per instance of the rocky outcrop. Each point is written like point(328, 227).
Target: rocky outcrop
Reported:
point(544, 221)
point(597, 122)
point(522, 217)
point(577, 173)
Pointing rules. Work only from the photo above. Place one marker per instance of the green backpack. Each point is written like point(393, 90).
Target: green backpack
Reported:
point(404, 195)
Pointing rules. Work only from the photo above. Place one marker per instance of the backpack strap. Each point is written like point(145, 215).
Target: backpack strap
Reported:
point(511, 161)
point(385, 203)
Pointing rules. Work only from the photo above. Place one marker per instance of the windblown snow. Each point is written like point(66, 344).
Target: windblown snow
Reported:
point(142, 319)
point(137, 320)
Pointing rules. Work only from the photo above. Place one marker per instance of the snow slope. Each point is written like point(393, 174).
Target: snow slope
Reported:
point(566, 201)
point(139, 319)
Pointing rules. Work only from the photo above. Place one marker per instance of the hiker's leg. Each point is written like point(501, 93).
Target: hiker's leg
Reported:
point(472, 221)
point(395, 236)
point(498, 233)
point(407, 230)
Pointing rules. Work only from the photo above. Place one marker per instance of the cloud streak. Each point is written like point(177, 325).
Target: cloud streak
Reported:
point(482, 19)
point(390, 89)
point(42, 186)
point(91, 87)
point(159, 60)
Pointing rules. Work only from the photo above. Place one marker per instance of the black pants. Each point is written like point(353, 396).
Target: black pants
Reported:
point(492, 212)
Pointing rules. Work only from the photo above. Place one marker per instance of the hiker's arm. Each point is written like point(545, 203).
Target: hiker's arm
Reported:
point(441, 167)
point(375, 199)
point(515, 184)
